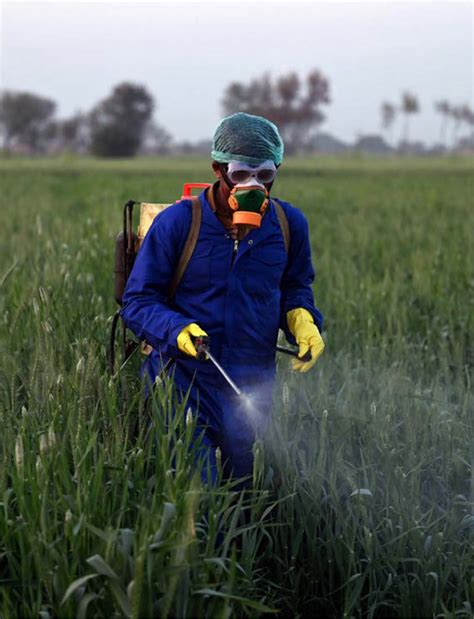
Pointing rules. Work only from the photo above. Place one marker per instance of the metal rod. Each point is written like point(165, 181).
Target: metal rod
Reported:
point(224, 373)
point(294, 353)
point(287, 351)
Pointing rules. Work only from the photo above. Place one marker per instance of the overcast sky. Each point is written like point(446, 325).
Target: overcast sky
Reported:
point(186, 54)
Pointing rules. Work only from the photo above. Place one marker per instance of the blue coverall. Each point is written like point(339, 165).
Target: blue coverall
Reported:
point(240, 299)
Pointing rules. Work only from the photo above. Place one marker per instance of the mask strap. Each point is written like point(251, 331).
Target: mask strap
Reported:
point(227, 180)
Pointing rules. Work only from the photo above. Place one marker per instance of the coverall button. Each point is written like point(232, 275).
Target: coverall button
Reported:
point(250, 242)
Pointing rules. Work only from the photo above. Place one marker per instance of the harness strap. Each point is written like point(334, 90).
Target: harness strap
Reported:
point(189, 246)
point(283, 220)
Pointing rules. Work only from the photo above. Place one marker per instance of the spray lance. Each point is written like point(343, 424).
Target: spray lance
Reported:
point(202, 344)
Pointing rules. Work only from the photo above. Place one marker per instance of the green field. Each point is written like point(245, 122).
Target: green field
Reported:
point(363, 501)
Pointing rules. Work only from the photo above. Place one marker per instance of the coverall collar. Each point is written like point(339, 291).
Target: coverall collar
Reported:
point(255, 235)
point(225, 214)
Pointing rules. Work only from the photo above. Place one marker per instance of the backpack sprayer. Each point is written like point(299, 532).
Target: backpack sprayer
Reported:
point(127, 245)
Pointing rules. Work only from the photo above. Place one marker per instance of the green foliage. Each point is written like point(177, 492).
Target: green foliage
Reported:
point(362, 502)
point(293, 104)
point(24, 119)
point(118, 122)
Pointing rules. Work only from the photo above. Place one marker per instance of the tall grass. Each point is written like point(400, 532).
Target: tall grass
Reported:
point(363, 500)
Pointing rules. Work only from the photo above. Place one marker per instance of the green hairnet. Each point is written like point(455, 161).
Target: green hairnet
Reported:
point(247, 138)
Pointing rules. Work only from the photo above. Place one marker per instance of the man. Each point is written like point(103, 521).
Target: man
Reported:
point(240, 286)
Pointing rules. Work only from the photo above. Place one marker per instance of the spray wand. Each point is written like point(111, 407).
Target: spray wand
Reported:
point(202, 343)
point(294, 353)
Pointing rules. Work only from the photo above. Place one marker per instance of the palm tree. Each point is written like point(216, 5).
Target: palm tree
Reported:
point(388, 111)
point(409, 106)
point(444, 108)
point(468, 118)
point(457, 116)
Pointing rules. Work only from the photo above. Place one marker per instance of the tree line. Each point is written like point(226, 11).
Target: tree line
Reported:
point(409, 105)
point(122, 124)
point(116, 126)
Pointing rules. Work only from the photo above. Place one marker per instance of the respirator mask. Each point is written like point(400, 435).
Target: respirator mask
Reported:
point(249, 197)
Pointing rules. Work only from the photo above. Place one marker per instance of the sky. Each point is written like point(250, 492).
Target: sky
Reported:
point(187, 53)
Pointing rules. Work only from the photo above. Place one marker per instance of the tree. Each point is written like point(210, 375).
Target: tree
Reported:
point(74, 133)
point(70, 134)
point(468, 117)
point(388, 111)
point(118, 123)
point(457, 114)
point(24, 120)
point(373, 144)
point(157, 140)
point(292, 105)
point(409, 106)
point(444, 108)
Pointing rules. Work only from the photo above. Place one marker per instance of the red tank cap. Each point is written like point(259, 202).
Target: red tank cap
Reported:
point(188, 187)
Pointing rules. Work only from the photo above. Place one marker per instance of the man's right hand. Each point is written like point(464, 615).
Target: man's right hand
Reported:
point(185, 342)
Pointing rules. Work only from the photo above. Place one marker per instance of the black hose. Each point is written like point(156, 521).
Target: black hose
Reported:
point(113, 332)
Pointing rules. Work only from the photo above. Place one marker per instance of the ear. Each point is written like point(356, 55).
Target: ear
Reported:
point(217, 170)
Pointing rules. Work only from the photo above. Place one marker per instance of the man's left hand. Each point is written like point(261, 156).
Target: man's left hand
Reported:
point(308, 338)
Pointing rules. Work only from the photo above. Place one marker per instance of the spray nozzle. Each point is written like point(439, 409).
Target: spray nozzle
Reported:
point(201, 344)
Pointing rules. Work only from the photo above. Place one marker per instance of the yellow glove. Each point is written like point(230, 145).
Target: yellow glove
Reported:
point(185, 343)
point(308, 338)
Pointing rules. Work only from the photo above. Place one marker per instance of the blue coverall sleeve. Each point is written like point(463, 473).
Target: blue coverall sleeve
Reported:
point(298, 278)
point(146, 310)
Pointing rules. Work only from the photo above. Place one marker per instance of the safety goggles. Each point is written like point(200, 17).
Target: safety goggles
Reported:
point(241, 173)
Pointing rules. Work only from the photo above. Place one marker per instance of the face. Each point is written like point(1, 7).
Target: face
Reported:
point(226, 186)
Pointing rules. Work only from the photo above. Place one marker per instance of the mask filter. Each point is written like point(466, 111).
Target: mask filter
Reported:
point(248, 203)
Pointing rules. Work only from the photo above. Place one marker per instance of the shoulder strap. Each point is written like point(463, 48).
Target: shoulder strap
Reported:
point(283, 220)
point(189, 246)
